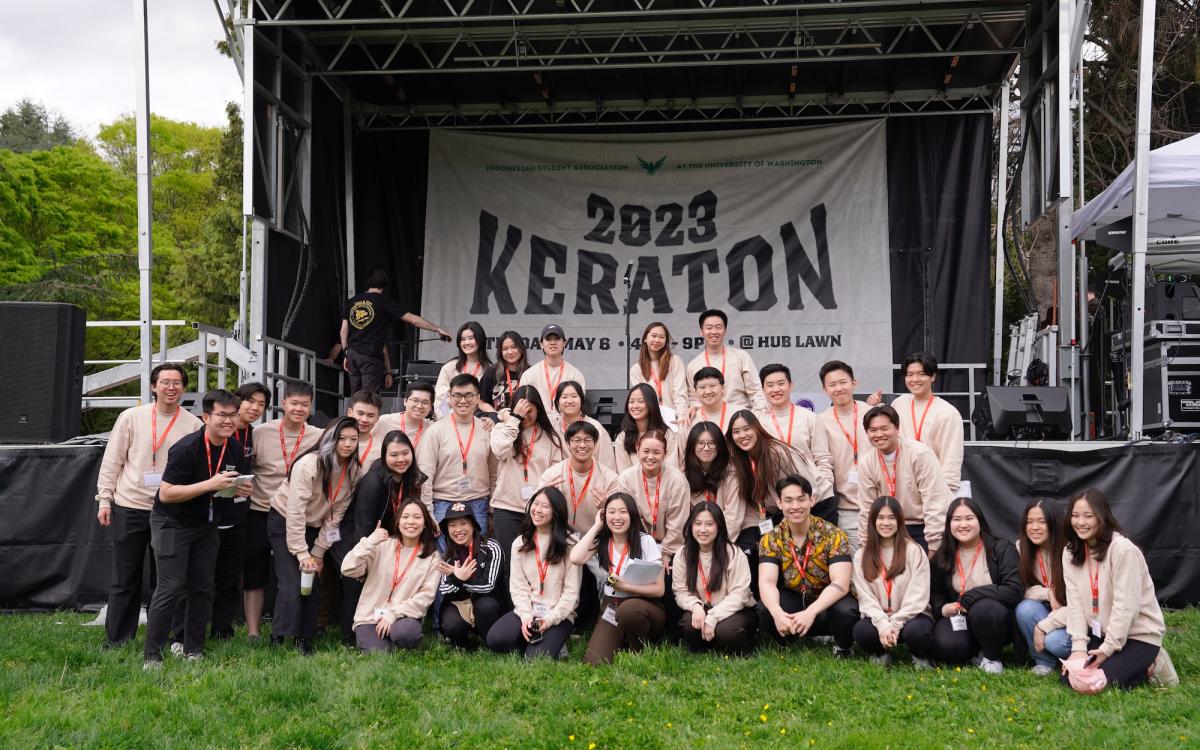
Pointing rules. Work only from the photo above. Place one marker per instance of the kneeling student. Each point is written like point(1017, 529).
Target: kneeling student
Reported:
point(711, 582)
point(470, 569)
point(891, 581)
point(631, 614)
point(401, 573)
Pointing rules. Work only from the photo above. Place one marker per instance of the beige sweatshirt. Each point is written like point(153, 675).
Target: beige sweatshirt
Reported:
point(395, 421)
point(941, 430)
point(673, 504)
point(561, 593)
point(910, 590)
point(674, 387)
point(379, 562)
point(582, 505)
point(796, 463)
point(920, 487)
point(130, 456)
point(673, 457)
point(729, 499)
point(442, 386)
point(536, 377)
point(514, 474)
point(440, 459)
point(732, 597)
point(842, 450)
point(1128, 607)
point(809, 438)
point(302, 503)
point(604, 446)
point(270, 467)
point(742, 387)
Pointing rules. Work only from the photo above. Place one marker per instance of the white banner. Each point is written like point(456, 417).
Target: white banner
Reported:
point(784, 230)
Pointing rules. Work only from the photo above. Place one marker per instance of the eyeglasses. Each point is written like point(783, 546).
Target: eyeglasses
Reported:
point(223, 416)
point(419, 401)
point(705, 444)
point(460, 397)
point(170, 383)
point(582, 441)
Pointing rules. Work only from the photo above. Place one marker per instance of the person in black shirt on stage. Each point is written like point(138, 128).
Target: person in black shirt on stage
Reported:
point(365, 327)
point(183, 524)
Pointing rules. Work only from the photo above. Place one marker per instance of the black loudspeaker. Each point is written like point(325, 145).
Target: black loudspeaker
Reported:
point(41, 371)
point(607, 408)
point(1024, 413)
point(1172, 301)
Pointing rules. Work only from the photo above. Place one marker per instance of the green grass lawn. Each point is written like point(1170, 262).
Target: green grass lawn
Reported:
point(58, 688)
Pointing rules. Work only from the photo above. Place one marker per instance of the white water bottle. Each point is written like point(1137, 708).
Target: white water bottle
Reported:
point(306, 582)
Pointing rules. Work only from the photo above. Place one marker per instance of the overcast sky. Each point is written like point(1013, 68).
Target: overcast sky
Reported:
point(77, 57)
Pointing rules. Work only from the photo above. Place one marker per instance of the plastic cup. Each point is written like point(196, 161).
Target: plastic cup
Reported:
point(306, 582)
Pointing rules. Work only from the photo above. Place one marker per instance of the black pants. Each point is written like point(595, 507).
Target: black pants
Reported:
point(366, 373)
point(826, 510)
point(349, 589)
point(505, 637)
point(917, 634)
point(506, 525)
point(837, 621)
point(487, 610)
point(736, 634)
point(256, 559)
point(915, 530)
point(131, 542)
point(295, 615)
point(990, 625)
point(747, 542)
point(185, 558)
point(1126, 668)
point(227, 586)
point(588, 608)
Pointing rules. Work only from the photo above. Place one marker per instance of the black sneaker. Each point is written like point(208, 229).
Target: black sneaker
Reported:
point(277, 640)
point(305, 646)
point(841, 653)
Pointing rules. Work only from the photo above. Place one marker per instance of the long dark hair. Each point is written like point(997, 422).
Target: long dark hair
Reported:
point(409, 484)
point(559, 529)
point(480, 346)
point(944, 557)
point(1102, 508)
point(871, 557)
point(326, 451)
point(428, 535)
point(654, 418)
point(1028, 565)
point(698, 479)
point(720, 551)
point(645, 357)
point(522, 364)
point(530, 394)
point(770, 454)
point(635, 530)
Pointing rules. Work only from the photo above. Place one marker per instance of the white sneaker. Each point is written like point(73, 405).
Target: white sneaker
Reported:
point(919, 663)
point(989, 666)
point(1041, 670)
point(563, 653)
point(883, 660)
point(195, 657)
point(977, 660)
point(152, 665)
point(177, 649)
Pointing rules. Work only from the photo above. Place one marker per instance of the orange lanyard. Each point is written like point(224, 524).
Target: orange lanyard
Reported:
point(887, 584)
point(155, 443)
point(723, 360)
point(420, 428)
point(1094, 581)
point(1042, 570)
point(617, 564)
point(337, 490)
point(529, 453)
point(703, 581)
point(363, 456)
point(762, 509)
point(399, 499)
point(289, 460)
point(853, 441)
point(208, 457)
point(553, 386)
point(890, 479)
point(710, 496)
point(657, 380)
point(542, 568)
point(912, 410)
point(721, 423)
point(397, 574)
point(582, 493)
point(508, 384)
point(801, 567)
point(478, 368)
point(653, 508)
point(964, 576)
point(778, 429)
point(464, 450)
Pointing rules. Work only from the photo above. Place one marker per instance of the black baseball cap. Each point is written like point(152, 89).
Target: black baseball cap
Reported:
point(553, 329)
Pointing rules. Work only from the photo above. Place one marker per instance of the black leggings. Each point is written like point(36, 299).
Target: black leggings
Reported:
point(990, 625)
point(505, 637)
point(1126, 668)
point(917, 634)
point(838, 620)
point(736, 634)
point(487, 610)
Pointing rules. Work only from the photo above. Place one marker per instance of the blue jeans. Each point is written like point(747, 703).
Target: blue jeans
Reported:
point(1058, 643)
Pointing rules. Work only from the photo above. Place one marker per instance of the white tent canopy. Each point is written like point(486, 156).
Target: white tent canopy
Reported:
point(1174, 196)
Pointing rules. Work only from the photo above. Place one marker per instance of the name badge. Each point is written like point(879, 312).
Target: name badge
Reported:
point(610, 615)
point(237, 499)
point(463, 485)
point(958, 622)
point(379, 614)
point(526, 492)
point(852, 477)
point(333, 534)
point(765, 526)
point(540, 609)
point(152, 479)
point(668, 415)
point(609, 590)
point(1095, 627)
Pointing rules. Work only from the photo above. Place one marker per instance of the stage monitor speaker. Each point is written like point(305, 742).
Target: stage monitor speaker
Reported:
point(422, 370)
point(607, 408)
point(41, 371)
point(1024, 413)
point(1172, 300)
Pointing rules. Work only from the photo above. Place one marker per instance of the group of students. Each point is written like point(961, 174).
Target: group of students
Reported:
point(720, 511)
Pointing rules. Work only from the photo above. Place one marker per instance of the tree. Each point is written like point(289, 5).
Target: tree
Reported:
point(29, 126)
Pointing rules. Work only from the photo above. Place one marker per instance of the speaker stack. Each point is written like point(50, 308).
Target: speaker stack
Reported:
point(41, 371)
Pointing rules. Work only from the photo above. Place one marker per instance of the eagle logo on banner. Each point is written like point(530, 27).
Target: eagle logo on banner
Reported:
point(651, 167)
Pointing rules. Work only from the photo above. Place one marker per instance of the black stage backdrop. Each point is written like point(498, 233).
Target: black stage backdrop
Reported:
point(56, 555)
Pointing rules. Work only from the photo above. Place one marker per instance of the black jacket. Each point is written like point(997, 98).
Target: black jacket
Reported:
point(1002, 560)
point(488, 564)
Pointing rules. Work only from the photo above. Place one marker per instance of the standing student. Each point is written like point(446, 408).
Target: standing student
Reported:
point(542, 582)
point(553, 369)
point(255, 398)
point(804, 571)
point(399, 570)
point(663, 371)
point(661, 493)
point(502, 379)
point(797, 427)
point(711, 477)
point(1112, 612)
point(365, 408)
point(183, 526)
point(709, 403)
point(472, 359)
point(974, 586)
point(738, 373)
point(130, 474)
point(900, 467)
point(278, 444)
point(413, 421)
point(641, 415)
point(1040, 548)
point(631, 614)
point(928, 419)
point(454, 454)
point(570, 407)
point(891, 582)
point(391, 479)
point(524, 444)
point(711, 585)
point(847, 441)
point(365, 330)
point(304, 522)
point(582, 478)
point(470, 570)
